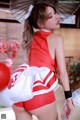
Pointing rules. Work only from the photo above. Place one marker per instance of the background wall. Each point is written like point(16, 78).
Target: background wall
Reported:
point(13, 31)
point(71, 41)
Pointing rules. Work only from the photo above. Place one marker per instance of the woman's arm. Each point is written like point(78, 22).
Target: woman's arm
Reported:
point(60, 58)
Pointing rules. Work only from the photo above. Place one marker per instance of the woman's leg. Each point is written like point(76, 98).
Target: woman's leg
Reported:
point(47, 112)
point(21, 113)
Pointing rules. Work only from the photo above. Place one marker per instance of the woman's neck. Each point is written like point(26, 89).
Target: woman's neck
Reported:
point(45, 30)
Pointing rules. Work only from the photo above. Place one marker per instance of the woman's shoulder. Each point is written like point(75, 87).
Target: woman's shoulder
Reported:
point(55, 38)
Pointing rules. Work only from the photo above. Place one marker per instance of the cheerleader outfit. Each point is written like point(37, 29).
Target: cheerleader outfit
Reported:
point(32, 85)
point(40, 56)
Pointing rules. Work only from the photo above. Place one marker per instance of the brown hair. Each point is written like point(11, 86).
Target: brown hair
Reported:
point(38, 14)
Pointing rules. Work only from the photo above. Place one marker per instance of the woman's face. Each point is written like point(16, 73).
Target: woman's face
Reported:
point(53, 20)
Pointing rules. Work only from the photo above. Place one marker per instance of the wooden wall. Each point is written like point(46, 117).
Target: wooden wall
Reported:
point(71, 41)
point(13, 31)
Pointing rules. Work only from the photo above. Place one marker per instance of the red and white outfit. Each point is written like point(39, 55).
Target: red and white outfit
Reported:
point(32, 86)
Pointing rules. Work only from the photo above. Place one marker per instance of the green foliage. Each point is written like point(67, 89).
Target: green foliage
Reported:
point(1, 106)
point(74, 71)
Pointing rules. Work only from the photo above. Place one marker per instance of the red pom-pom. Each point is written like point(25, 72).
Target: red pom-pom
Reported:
point(4, 76)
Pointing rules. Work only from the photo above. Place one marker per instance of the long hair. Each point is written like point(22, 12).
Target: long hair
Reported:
point(38, 14)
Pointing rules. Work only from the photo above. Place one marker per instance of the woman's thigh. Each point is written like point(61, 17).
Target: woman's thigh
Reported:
point(47, 112)
point(43, 106)
point(21, 113)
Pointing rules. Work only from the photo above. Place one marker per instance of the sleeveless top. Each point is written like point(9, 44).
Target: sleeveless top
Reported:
point(39, 51)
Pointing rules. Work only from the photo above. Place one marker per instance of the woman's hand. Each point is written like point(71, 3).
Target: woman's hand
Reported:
point(67, 109)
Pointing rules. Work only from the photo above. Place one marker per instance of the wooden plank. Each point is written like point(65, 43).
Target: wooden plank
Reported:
point(8, 20)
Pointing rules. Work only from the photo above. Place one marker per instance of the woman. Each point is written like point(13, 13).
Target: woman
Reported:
point(44, 49)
